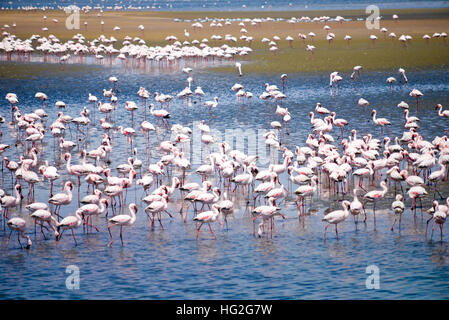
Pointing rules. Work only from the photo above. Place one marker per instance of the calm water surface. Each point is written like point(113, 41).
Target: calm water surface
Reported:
point(170, 263)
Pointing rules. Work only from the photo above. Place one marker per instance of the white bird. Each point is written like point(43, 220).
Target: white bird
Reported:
point(336, 217)
point(122, 220)
point(18, 224)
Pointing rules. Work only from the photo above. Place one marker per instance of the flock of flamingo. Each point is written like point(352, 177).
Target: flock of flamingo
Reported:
point(191, 51)
point(321, 163)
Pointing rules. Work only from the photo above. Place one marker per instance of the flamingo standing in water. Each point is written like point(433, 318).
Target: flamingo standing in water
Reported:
point(122, 220)
point(439, 217)
point(238, 65)
point(437, 176)
point(70, 222)
point(403, 76)
point(131, 106)
point(416, 192)
point(92, 209)
point(355, 207)
point(211, 104)
point(335, 217)
point(443, 114)
point(50, 173)
point(75, 170)
point(128, 133)
point(416, 93)
point(267, 212)
point(62, 199)
point(303, 191)
point(382, 122)
point(375, 195)
point(161, 114)
point(398, 208)
point(156, 207)
point(283, 78)
point(8, 202)
point(207, 217)
point(42, 216)
point(18, 224)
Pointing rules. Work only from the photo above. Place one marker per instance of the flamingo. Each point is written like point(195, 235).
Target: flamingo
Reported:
point(355, 207)
point(92, 209)
point(8, 202)
point(44, 216)
point(50, 173)
point(211, 104)
point(375, 195)
point(161, 114)
point(336, 217)
point(75, 170)
point(439, 217)
point(18, 224)
point(62, 199)
point(398, 208)
point(267, 212)
point(303, 191)
point(207, 217)
point(284, 79)
point(382, 122)
point(131, 106)
point(416, 93)
point(71, 223)
point(238, 65)
point(416, 192)
point(156, 207)
point(128, 133)
point(437, 176)
point(225, 207)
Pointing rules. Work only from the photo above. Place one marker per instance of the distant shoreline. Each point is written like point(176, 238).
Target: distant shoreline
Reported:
point(405, 13)
point(385, 54)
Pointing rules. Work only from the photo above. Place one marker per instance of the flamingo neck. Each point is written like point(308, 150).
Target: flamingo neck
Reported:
point(69, 193)
point(18, 198)
point(68, 166)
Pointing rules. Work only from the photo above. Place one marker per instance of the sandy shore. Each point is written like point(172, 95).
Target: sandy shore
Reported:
point(384, 54)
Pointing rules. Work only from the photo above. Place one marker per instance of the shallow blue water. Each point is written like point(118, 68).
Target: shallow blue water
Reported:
point(170, 263)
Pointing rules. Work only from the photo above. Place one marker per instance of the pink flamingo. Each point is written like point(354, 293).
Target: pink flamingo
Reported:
point(416, 93)
point(156, 207)
point(92, 209)
point(375, 195)
point(207, 217)
point(267, 212)
point(75, 170)
point(398, 208)
point(382, 122)
point(439, 217)
point(8, 202)
point(131, 106)
point(70, 222)
point(416, 192)
point(18, 224)
point(161, 114)
point(304, 191)
point(128, 133)
point(337, 216)
point(355, 207)
point(122, 220)
point(44, 216)
point(211, 104)
point(62, 199)
point(50, 173)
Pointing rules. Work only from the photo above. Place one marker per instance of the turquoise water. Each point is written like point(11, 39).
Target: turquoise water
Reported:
point(169, 263)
